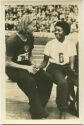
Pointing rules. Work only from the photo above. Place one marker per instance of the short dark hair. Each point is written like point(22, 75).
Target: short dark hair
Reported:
point(64, 25)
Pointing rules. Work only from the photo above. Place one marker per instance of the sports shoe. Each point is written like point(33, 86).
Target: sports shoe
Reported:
point(43, 115)
point(62, 115)
point(72, 109)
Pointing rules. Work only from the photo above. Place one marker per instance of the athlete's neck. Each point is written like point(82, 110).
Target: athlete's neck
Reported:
point(22, 37)
point(61, 39)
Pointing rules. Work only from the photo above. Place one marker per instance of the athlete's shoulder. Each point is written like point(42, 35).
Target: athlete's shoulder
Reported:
point(53, 41)
point(12, 37)
point(73, 36)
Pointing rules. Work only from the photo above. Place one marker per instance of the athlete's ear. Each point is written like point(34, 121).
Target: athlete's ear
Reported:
point(64, 33)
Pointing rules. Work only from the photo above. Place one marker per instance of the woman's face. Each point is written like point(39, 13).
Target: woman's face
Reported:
point(31, 27)
point(59, 33)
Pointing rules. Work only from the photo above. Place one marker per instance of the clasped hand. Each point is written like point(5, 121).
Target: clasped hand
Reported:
point(32, 69)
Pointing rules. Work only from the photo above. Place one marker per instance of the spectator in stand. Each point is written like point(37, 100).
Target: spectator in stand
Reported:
point(49, 12)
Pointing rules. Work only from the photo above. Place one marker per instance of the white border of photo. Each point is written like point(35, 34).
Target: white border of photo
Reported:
point(2, 61)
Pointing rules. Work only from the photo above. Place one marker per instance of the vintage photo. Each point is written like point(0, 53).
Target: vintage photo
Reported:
point(42, 61)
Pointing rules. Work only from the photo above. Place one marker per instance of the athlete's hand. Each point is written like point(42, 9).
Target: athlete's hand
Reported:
point(35, 69)
point(31, 69)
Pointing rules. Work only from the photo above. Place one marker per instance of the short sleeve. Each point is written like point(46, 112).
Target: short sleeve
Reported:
point(47, 49)
point(11, 45)
point(73, 51)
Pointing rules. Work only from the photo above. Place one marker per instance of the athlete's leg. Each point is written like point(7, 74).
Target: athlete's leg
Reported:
point(72, 82)
point(28, 85)
point(62, 87)
point(62, 91)
point(44, 86)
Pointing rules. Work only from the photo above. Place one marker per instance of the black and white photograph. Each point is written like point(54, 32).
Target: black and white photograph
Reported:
point(42, 61)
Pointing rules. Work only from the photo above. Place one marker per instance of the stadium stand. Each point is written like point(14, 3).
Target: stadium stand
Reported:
point(45, 15)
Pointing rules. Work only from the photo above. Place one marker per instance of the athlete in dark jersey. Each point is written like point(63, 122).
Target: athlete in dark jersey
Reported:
point(19, 69)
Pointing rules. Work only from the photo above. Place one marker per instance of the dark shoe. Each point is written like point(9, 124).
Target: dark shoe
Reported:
point(62, 115)
point(38, 116)
point(72, 109)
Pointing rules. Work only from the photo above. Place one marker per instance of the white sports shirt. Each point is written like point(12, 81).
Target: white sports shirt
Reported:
point(58, 52)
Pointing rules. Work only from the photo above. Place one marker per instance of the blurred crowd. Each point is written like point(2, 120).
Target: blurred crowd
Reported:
point(45, 16)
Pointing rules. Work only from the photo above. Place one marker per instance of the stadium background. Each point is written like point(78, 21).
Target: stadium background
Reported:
point(45, 16)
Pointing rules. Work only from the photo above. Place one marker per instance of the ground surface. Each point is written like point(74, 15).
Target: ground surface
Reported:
point(17, 104)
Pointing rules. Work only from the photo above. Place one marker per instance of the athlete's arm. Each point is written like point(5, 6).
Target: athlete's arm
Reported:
point(10, 63)
point(72, 62)
point(44, 62)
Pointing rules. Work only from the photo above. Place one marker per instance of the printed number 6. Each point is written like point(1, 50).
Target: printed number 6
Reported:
point(61, 58)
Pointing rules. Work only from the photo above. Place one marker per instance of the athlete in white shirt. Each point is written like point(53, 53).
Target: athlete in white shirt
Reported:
point(59, 53)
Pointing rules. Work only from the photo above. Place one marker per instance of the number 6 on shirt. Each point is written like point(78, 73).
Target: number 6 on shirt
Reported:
point(61, 57)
